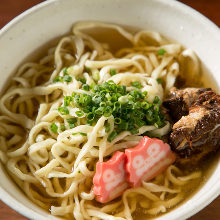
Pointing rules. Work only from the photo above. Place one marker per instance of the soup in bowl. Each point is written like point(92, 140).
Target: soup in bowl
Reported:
point(110, 121)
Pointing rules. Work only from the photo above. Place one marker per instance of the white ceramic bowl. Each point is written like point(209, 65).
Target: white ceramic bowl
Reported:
point(53, 18)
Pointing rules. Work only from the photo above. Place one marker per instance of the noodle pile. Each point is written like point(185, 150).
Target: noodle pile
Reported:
point(55, 170)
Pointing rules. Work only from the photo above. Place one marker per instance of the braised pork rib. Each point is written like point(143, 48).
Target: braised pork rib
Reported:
point(196, 132)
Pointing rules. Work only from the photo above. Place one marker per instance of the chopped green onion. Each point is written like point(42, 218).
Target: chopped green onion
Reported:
point(134, 131)
point(103, 104)
point(54, 128)
point(92, 85)
point(67, 78)
point(100, 110)
point(96, 88)
point(139, 123)
point(137, 84)
point(145, 105)
point(117, 106)
point(79, 113)
point(83, 134)
point(82, 80)
point(145, 93)
point(117, 121)
point(160, 81)
point(123, 99)
point(90, 116)
point(157, 100)
point(71, 122)
point(161, 52)
point(107, 127)
point(63, 110)
point(112, 72)
point(137, 94)
point(160, 124)
point(62, 127)
point(67, 100)
point(65, 72)
point(123, 126)
point(86, 87)
point(157, 108)
point(57, 79)
point(97, 99)
point(74, 94)
point(129, 108)
point(112, 136)
point(114, 98)
point(149, 116)
point(86, 98)
point(156, 125)
point(108, 111)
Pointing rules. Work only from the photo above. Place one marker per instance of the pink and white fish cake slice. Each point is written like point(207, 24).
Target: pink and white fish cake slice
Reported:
point(110, 179)
point(148, 159)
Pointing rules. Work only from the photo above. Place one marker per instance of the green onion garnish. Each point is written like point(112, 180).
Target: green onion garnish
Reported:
point(71, 122)
point(86, 87)
point(67, 100)
point(54, 128)
point(62, 127)
point(134, 131)
point(82, 80)
point(57, 79)
point(79, 113)
point(83, 134)
point(63, 110)
point(130, 109)
point(161, 52)
point(137, 85)
point(160, 81)
point(65, 72)
point(107, 127)
point(157, 100)
point(117, 121)
point(112, 72)
point(145, 105)
point(112, 136)
point(123, 126)
point(67, 78)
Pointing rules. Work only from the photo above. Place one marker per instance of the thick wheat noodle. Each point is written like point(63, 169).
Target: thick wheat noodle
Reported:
point(61, 166)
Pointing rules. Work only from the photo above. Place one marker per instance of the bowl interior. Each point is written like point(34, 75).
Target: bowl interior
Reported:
point(51, 19)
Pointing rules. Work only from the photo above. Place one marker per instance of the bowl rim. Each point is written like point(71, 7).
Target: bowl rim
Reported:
point(214, 192)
